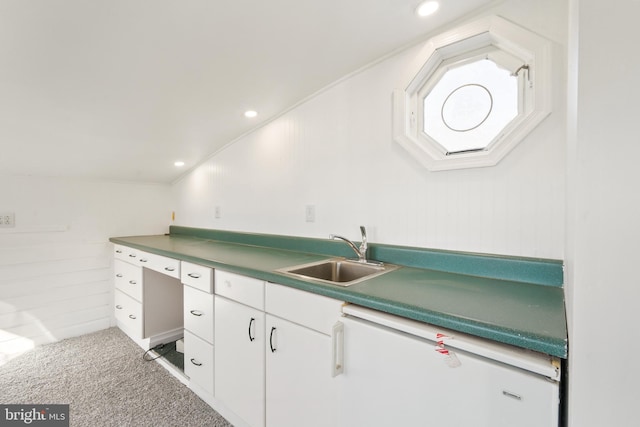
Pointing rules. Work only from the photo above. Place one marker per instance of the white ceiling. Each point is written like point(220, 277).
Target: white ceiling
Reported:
point(120, 89)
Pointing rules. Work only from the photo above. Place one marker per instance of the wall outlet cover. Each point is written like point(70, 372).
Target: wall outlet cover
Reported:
point(7, 219)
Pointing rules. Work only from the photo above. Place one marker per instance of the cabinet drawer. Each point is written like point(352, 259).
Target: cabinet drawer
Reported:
point(245, 290)
point(197, 276)
point(129, 313)
point(126, 254)
point(198, 361)
point(128, 278)
point(198, 313)
point(304, 308)
point(159, 263)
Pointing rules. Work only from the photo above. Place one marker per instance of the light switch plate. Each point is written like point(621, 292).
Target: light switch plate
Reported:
point(310, 213)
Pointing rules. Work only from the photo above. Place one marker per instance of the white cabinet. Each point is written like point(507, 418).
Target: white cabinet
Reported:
point(239, 346)
point(147, 296)
point(198, 328)
point(300, 390)
point(397, 377)
point(281, 375)
point(301, 386)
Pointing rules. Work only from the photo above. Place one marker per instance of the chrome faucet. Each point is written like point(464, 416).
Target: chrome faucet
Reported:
point(360, 251)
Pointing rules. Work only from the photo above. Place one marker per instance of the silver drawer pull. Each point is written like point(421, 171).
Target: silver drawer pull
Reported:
point(511, 395)
point(119, 307)
point(194, 275)
point(196, 313)
point(118, 251)
point(143, 260)
point(169, 268)
point(195, 362)
point(133, 282)
point(119, 275)
point(131, 316)
point(132, 255)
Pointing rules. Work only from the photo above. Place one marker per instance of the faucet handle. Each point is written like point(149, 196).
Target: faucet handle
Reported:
point(363, 244)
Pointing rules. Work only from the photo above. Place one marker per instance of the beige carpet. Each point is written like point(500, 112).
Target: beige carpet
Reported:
point(104, 379)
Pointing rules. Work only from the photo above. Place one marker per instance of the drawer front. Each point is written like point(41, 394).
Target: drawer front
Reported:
point(128, 278)
point(159, 263)
point(129, 313)
point(197, 276)
point(126, 254)
point(198, 313)
point(245, 290)
point(304, 308)
point(198, 361)
point(166, 265)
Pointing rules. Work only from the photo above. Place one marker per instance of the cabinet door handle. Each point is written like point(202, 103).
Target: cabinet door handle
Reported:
point(142, 260)
point(337, 349)
point(132, 255)
point(119, 307)
point(133, 282)
point(195, 362)
point(169, 268)
point(119, 275)
point(131, 316)
point(118, 251)
point(196, 313)
point(273, 349)
point(194, 275)
point(251, 322)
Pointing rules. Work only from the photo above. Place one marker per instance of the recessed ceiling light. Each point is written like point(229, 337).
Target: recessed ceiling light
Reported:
point(179, 164)
point(427, 8)
point(250, 114)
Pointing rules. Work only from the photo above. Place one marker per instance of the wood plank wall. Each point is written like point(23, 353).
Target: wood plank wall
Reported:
point(56, 265)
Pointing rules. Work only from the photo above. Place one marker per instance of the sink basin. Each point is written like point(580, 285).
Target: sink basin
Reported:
point(341, 272)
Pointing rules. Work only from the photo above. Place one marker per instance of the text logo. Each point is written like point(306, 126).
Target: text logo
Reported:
point(34, 415)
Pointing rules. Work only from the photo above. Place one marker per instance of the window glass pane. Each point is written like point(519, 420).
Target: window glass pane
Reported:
point(470, 105)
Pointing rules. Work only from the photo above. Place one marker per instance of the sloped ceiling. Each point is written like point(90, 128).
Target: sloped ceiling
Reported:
point(120, 89)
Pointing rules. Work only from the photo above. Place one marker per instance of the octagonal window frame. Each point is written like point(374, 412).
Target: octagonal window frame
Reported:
point(524, 53)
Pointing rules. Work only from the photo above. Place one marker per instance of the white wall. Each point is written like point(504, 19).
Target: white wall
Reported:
point(603, 234)
point(335, 151)
point(56, 264)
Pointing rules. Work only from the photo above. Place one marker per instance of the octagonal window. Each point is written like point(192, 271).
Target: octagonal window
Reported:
point(482, 88)
point(470, 105)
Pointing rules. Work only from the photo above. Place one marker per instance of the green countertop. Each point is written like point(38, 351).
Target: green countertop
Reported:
point(520, 313)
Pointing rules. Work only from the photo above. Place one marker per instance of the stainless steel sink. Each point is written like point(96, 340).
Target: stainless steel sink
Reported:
point(341, 271)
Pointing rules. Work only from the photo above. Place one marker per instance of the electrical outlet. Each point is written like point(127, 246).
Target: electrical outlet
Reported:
point(310, 213)
point(7, 219)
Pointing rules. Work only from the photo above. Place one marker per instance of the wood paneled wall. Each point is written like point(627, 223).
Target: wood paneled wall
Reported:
point(56, 264)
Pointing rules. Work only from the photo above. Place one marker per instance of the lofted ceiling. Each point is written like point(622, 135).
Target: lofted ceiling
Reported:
point(120, 89)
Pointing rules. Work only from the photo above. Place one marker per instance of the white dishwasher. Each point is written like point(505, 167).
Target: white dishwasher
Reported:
point(405, 373)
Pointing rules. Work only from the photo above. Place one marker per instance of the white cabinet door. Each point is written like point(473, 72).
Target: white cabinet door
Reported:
point(239, 359)
point(300, 389)
point(391, 378)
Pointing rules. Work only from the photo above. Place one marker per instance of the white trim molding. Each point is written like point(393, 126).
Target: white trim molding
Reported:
point(490, 34)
